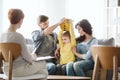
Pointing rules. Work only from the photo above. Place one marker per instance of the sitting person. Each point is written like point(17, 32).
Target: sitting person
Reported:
point(66, 41)
point(84, 60)
point(24, 64)
point(45, 41)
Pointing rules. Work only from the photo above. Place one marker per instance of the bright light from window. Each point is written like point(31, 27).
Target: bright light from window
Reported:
point(55, 10)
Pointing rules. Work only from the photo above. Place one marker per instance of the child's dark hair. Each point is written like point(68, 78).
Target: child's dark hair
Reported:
point(66, 34)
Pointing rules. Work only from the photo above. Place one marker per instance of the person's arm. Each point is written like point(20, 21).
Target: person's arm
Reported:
point(76, 53)
point(60, 39)
point(50, 29)
point(88, 54)
point(24, 50)
point(57, 53)
point(37, 35)
point(72, 34)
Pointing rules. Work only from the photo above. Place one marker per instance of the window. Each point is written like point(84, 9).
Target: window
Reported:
point(112, 19)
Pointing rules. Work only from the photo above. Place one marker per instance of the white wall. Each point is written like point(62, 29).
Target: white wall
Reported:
point(54, 9)
point(88, 9)
point(93, 10)
point(1, 3)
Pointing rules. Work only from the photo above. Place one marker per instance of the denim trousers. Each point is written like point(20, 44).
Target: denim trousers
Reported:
point(79, 68)
point(51, 67)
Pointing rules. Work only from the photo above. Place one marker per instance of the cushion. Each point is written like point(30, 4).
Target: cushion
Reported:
point(109, 41)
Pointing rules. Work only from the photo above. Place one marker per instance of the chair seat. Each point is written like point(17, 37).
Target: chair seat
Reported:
point(35, 76)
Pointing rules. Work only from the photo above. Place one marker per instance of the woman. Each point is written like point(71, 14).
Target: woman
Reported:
point(84, 60)
point(24, 64)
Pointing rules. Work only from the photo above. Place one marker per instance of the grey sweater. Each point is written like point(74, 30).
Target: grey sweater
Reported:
point(25, 56)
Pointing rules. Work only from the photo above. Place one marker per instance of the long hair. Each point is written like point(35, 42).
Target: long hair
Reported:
point(86, 26)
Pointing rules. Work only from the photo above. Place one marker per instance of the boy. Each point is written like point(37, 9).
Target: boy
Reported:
point(66, 39)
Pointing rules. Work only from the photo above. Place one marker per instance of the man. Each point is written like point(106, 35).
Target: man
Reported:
point(45, 41)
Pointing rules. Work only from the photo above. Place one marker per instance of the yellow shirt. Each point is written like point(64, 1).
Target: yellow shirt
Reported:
point(66, 54)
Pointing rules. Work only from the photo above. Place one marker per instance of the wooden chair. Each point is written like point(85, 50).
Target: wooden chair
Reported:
point(8, 53)
point(106, 58)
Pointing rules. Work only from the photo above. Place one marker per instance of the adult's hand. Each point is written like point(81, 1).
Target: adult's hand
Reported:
point(74, 50)
point(57, 53)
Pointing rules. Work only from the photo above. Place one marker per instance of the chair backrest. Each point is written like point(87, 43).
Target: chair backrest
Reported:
point(105, 54)
point(108, 57)
point(9, 52)
point(6, 48)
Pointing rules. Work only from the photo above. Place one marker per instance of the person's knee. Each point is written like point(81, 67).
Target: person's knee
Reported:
point(79, 69)
point(78, 66)
point(52, 67)
point(69, 65)
point(64, 69)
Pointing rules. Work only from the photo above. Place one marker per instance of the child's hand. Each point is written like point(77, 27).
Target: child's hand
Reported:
point(62, 20)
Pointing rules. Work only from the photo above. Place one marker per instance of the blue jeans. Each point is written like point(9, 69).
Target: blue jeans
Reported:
point(79, 68)
point(51, 67)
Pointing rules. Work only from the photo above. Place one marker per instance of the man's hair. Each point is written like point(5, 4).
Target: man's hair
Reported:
point(42, 18)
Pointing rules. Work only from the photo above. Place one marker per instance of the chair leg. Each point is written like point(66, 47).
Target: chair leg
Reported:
point(10, 64)
point(96, 68)
point(1, 62)
point(103, 74)
point(115, 68)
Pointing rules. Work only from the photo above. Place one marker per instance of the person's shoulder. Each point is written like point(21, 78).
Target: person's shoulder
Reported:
point(18, 34)
point(94, 40)
point(13, 34)
point(37, 31)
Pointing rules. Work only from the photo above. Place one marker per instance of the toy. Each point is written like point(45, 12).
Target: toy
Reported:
point(66, 25)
